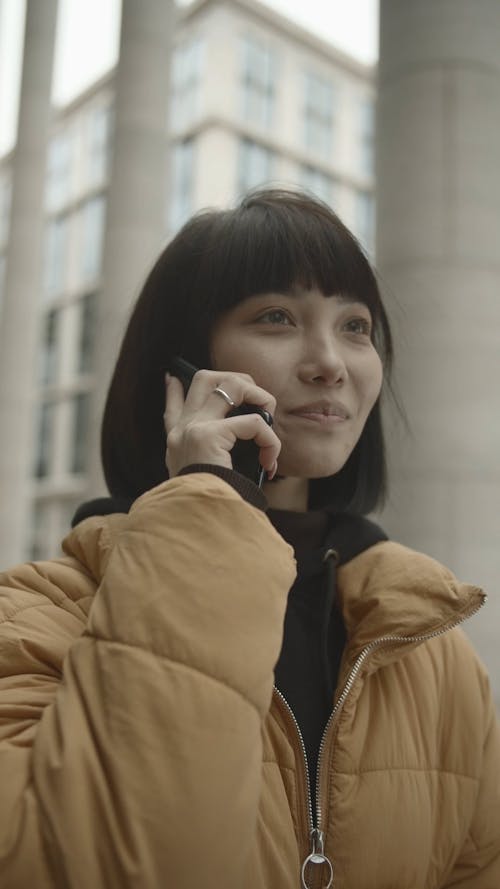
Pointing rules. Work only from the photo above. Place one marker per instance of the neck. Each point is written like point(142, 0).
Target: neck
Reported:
point(287, 493)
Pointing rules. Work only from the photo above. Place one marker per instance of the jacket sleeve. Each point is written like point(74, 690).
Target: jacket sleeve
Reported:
point(478, 866)
point(144, 768)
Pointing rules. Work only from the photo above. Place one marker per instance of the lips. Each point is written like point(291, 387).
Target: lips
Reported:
point(324, 408)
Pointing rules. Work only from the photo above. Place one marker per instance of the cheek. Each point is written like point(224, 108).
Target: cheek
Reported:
point(241, 357)
point(225, 355)
point(372, 381)
point(228, 351)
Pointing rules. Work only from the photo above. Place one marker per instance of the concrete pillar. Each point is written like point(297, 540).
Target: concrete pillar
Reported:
point(20, 315)
point(137, 194)
point(438, 243)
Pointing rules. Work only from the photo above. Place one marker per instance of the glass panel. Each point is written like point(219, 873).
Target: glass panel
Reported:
point(318, 182)
point(187, 67)
point(186, 64)
point(99, 126)
point(56, 255)
point(182, 183)
point(367, 136)
point(59, 171)
point(49, 347)
point(318, 115)
point(257, 82)
point(365, 219)
point(255, 165)
point(92, 236)
point(86, 334)
point(78, 451)
point(44, 440)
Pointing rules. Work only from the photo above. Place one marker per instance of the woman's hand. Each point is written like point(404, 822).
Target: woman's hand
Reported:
point(198, 430)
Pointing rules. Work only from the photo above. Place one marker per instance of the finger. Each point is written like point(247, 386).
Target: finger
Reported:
point(250, 393)
point(239, 387)
point(253, 426)
point(174, 401)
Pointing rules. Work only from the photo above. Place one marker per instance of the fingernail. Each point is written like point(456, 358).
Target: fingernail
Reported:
point(272, 472)
point(167, 378)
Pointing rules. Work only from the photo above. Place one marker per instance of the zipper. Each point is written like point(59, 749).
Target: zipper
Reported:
point(304, 754)
point(316, 835)
point(316, 838)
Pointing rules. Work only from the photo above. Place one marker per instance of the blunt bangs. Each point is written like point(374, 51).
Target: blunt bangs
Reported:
point(275, 241)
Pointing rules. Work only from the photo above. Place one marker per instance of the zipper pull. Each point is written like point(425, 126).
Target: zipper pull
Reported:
point(317, 856)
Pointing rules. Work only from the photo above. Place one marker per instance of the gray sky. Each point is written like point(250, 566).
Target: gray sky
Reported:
point(87, 42)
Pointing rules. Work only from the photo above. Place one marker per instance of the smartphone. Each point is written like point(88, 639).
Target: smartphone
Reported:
point(245, 454)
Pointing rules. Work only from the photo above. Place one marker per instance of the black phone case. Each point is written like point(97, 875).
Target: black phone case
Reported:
point(245, 454)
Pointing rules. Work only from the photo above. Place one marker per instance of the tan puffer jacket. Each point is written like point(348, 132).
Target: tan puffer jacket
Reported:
point(141, 743)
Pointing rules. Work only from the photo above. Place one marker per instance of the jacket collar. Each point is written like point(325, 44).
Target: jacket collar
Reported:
point(390, 590)
point(386, 590)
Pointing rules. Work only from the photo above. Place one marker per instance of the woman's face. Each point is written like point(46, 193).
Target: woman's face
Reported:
point(315, 355)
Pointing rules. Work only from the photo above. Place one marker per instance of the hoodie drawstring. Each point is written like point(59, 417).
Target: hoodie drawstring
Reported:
point(331, 558)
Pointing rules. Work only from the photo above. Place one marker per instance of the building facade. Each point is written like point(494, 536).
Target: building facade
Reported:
point(253, 99)
point(257, 99)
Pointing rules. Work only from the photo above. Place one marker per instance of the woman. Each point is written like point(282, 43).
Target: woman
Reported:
point(142, 743)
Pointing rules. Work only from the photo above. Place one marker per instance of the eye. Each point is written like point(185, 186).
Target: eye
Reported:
point(273, 316)
point(359, 326)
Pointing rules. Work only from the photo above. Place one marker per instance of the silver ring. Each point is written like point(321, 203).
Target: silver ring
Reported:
point(225, 396)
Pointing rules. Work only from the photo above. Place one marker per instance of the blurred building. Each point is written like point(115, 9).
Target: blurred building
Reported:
point(253, 99)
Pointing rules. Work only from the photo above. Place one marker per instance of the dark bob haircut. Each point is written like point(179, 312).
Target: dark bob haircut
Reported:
point(273, 240)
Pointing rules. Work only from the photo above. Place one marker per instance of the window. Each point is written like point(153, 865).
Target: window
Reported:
point(255, 165)
point(56, 255)
point(86, 332)
point(92, 236)
point(98, 140)
point(366, 112)
point(318, 182)
point(318, 115)
point(364, 226)
point(49, 347)
point(79, 429)
point(187, 66)
point(181, 183)
point(59, 171)
point(44, 440)
point(257, 82)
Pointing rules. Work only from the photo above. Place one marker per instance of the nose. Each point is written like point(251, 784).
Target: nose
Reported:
point(323, 362)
